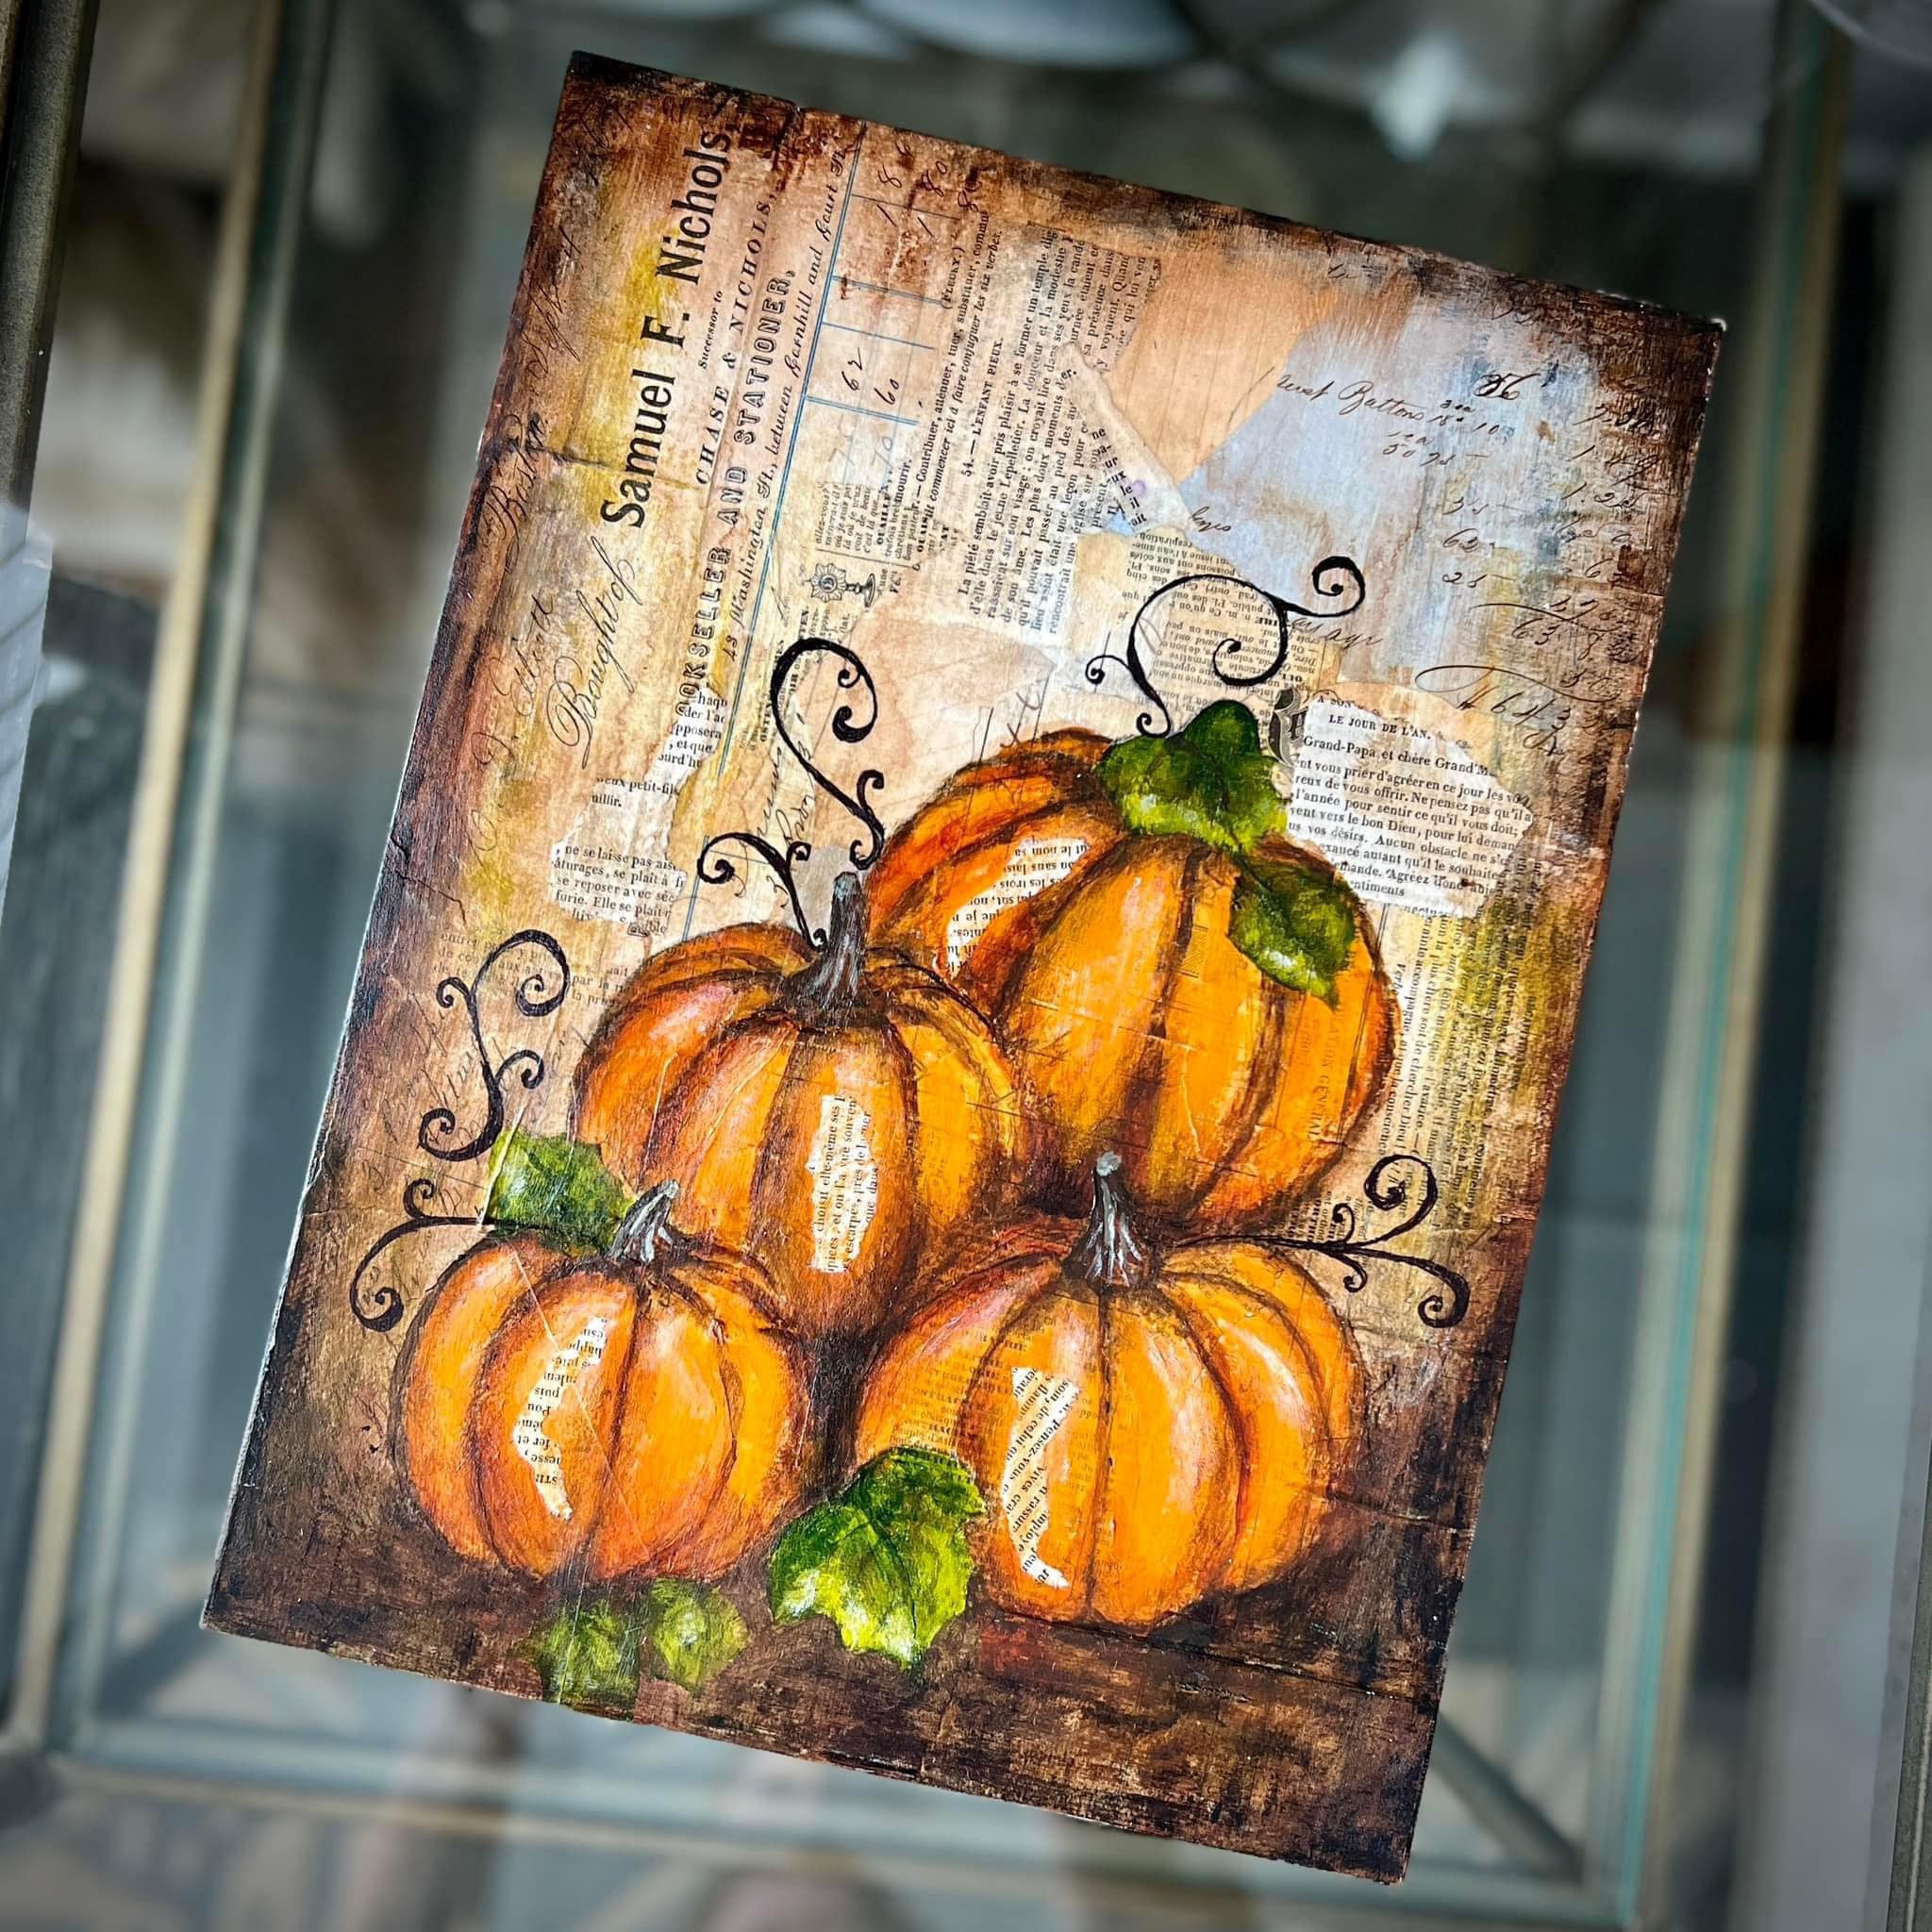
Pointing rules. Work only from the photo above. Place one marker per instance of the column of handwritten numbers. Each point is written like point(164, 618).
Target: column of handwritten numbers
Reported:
point(868, 378)
point(1622, 451)
point(1575, 633)
point(1596, 610)
point(900, 262)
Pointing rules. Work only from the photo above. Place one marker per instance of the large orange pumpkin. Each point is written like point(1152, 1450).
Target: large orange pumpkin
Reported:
point(1149, 1428)
point(1107, 960)
point(838, 1115)
point(636, 1411)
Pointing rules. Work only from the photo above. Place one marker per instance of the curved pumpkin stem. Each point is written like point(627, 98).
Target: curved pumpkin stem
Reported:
point(646, 1228)
point(1108, 1254)
point(828, 986)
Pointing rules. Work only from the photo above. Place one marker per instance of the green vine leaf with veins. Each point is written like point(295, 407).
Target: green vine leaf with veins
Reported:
point(690, 1632)
point(888, 1560)
point(587, 1656)
point(1211, 782)
point(1295, 922)
point(558, 1187)
point(593, 1654)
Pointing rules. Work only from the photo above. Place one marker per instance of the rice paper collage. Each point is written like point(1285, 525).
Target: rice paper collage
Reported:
point(954, 1063)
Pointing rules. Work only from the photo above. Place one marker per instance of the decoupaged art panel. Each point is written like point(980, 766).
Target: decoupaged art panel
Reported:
point(955, 1057)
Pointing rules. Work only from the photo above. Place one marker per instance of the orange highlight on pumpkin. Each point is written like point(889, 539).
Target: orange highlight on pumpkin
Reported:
point(1134, 1022)
point(840, 1114)
point(641, 1410)
point(1149, 1427)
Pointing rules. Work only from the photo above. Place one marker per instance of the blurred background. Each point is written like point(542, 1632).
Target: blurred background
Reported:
point(1681, 1691)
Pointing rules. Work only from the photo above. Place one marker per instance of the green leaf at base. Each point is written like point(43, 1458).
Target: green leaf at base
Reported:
point(558, 1187)
point(592, 1654)
point(690, 1632)
point(888, 1560)
point(587, 1656)
point(1211, 782)
point(1296, 922)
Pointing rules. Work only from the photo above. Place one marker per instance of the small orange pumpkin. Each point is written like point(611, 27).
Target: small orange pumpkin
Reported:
point(1109, 962)
point(839, 1115)
point(635, 1411)
point(1148, 1428)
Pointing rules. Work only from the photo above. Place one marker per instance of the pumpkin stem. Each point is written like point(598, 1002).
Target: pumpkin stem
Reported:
point(828, 986)
point(1110, 1253)
point(646, 1227)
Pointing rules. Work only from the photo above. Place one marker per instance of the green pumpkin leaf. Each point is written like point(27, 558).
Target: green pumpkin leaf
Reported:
point(888, 1560)
point(1211, 782)
point(558, 1187)
point(1296, 922)
point(690, 1632)
point(587, 1656)
point(592, 1654)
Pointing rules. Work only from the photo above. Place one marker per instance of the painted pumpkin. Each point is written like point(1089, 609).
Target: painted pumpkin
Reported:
point(635, 1411)
point(1173, 977)
point(838, 1115)
point(1149, 1427)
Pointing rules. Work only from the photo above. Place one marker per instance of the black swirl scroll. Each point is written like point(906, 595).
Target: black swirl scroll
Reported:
point(1387, 1190)
point(534, 1001)
point(383, 1307)
point(535, 998)
point(714, 868)
point(1333, 578)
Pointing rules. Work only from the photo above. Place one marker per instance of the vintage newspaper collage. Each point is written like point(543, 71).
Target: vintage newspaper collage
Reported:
point(1114, 585)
